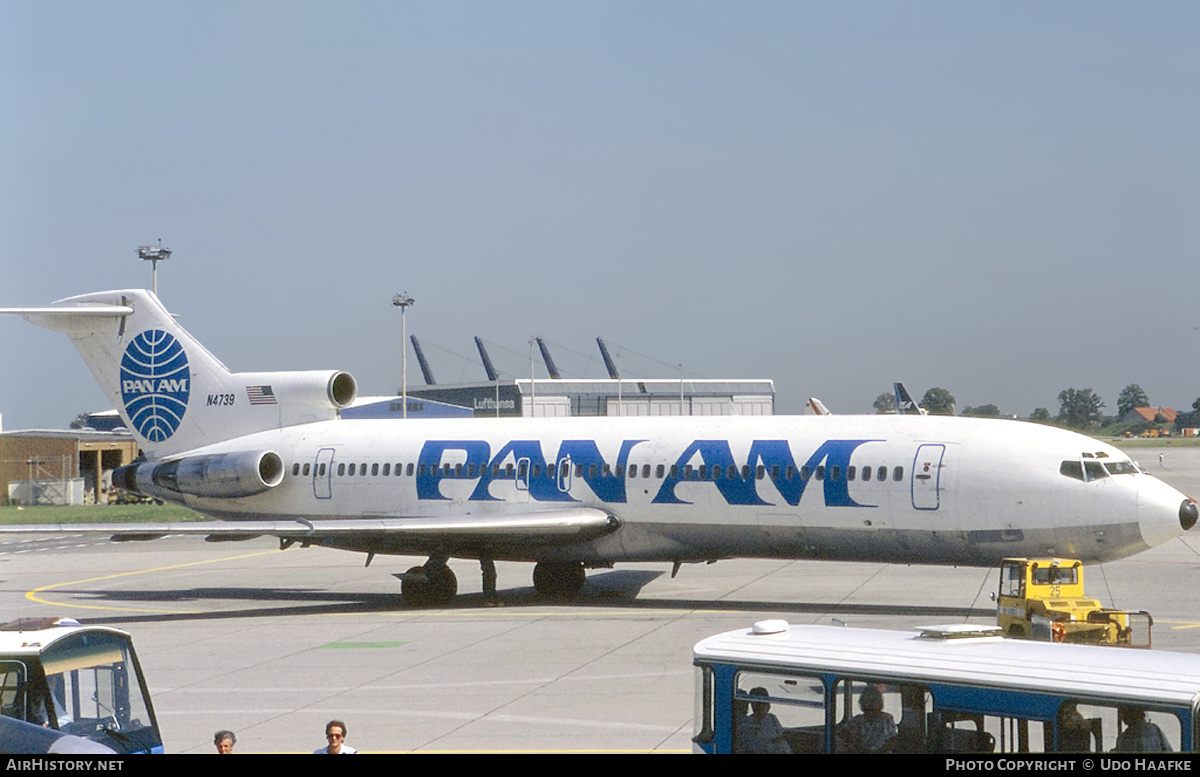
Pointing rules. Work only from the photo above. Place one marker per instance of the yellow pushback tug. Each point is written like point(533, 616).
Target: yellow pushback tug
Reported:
point(1043, 599)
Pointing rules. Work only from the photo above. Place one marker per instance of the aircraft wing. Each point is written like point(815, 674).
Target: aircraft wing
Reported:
point(550, 526)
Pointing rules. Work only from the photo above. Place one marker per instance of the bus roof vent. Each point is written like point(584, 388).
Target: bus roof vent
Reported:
point(772, 626)
point(37, 624)
point(958, 631)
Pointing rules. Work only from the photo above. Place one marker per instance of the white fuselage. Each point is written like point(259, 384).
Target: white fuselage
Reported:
point(910, 489)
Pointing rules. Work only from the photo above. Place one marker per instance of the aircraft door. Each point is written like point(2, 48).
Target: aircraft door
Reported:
point(926, 476)
point(323, 474)
point(523, 466)
point(564, 474)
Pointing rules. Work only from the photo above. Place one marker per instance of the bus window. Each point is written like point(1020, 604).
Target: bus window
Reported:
point(778, 714)
point(12, 689)
point(92, 691)
point(964, 732)
point(1103, 728)
point(703, 718)
point(864, 721)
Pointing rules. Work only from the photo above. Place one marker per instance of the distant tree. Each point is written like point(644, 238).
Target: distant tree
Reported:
point(1131, 396)
point(985, 411)
point(80, 421)
point(1189, 420)
point(1079, 408)
point(1041, 416)
point(938, 401)
point(885, 403)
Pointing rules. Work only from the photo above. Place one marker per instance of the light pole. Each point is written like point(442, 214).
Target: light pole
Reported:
point(154, 255)
point(403, 301)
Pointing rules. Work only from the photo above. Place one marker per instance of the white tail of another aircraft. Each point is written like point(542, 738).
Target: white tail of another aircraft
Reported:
point(173, 394)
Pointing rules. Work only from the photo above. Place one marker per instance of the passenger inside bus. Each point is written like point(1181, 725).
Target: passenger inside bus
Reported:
point(1140, 735)
point(760, 731)
point(873, 731)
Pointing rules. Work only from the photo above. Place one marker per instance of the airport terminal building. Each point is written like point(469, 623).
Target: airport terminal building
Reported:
point(564, 398)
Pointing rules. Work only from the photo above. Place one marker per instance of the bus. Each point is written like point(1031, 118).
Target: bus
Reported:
point(777, 688)
point(80, 680)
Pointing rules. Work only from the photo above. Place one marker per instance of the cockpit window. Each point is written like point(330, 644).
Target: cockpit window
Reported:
point(1072, 469)
point(1089, 469)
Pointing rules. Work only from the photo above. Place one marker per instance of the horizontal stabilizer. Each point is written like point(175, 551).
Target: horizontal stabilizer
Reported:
point(95, 309)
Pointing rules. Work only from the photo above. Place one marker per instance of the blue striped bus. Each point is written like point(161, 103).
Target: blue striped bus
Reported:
point(777, 688)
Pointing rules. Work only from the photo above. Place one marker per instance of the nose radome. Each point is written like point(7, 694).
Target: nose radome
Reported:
point(1164, 513)
point(1188, 514)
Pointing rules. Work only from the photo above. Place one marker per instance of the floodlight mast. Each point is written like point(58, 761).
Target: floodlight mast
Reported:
point(403, 301)
point(154, 255)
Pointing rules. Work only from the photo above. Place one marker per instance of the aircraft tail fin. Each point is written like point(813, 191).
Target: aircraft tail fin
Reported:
point(172, 393)
point(905, 404)
point(814, 406)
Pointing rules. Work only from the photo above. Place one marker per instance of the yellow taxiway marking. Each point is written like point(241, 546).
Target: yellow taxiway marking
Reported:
point(1182, 625)
point(33, 594)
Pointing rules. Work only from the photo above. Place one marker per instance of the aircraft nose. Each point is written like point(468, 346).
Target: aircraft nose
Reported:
point(1163, 512)
point(1188, 514)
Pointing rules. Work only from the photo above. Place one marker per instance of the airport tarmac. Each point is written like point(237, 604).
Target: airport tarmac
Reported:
point(272, 644)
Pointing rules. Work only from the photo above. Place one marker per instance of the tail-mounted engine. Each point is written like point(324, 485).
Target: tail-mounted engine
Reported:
point(218, 476)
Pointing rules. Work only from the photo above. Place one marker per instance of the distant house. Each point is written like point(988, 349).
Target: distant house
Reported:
point(1146, 415)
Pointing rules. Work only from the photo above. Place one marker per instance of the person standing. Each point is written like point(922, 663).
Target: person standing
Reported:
point(224, 742)
point(335, 735)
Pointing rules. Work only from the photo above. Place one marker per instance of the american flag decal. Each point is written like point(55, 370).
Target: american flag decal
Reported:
point(261, 395)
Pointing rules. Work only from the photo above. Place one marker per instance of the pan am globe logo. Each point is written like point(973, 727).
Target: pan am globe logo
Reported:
point(154, 384)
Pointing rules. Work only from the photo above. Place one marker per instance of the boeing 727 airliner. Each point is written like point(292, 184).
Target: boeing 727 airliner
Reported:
point(267, 454)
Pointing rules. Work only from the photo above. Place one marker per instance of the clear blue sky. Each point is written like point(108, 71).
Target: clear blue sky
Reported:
point(998, 198)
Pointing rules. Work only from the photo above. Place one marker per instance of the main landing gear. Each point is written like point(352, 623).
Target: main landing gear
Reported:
point(559, 579)
point(434, 584)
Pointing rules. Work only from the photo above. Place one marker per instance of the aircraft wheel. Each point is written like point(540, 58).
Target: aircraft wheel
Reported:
point(415, 592)
point(558, 579)
point(439, 587)
point(443, 585)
